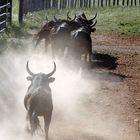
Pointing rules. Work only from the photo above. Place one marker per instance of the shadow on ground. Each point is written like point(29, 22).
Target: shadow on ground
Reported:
point(101, 66)
point(104, 61)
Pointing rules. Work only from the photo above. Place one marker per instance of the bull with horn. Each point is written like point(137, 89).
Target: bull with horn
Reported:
point(38, 100)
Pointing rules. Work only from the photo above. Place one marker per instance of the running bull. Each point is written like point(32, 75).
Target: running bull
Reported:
point(38, 100)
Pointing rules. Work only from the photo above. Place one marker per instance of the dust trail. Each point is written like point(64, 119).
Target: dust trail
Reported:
point(82, 111)
point(14, 85)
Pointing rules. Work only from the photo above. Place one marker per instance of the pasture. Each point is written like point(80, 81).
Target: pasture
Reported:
point(100, 103)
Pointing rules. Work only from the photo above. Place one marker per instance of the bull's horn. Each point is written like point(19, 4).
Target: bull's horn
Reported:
point(84, 16)
point(68, 17)
point(93, 17)
point(46, 18)
point(51, 73)
point(93, 24)
point(28, 70)
point(55, 18)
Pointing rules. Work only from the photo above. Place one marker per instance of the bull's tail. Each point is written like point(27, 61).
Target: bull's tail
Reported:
point(34, 123)
point(33, 120)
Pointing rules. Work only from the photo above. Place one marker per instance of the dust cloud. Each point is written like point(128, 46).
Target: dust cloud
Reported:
point(67, 91)
point(78, 111)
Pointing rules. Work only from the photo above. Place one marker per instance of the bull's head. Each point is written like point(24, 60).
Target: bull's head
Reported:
point(90, 21)
point(41, 77)
point(68, 17)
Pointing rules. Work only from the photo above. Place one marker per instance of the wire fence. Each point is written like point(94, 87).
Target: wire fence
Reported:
point(5, 13)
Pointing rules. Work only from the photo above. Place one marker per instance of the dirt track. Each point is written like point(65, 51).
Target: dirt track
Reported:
point(98, 104)
point(127, 51)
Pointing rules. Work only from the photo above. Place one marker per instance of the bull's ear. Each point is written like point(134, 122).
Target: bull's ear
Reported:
point(51, 79)
point(29, 78)
point(93, 29)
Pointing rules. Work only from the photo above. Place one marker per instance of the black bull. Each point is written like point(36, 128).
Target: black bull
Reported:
point(38, 100)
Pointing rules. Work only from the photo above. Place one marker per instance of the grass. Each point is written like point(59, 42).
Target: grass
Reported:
point(116, 19)
point(111, 19)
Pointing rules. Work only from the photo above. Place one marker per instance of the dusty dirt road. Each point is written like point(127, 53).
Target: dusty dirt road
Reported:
point(95, 104)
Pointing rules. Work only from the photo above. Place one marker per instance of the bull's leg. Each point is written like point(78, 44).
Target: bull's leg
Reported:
point(37, 42)
point(47, 42)
point(53, 49)
point(46, 45)
point(27, 123)
point(47, 120)
point(34, 122)
point(85, 57)
point(90, 57)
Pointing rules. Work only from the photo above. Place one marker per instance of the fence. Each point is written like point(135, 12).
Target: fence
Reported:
point(26, 6)
point(5, 13)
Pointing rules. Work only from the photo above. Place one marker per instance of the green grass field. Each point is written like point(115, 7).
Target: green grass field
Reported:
point(116, 19)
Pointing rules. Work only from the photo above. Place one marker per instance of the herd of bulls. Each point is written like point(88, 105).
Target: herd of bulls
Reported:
point(71, 37)
point(65, 35)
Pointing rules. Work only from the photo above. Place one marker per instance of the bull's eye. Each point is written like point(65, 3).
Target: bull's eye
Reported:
point(51, 79)
point(29, 78)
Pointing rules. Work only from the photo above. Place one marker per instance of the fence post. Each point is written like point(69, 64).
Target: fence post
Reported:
point(75, 3)
point(93, 4)
point(56, 4)
point(63, 3)
point(10, 11)
point(102, 3)
point(123, 2)
point(135, 2)
point(131, 2)
point(98, 3)
point(20, 16)
point(114, 1)
point(68, 3)
point(106, 2)
point(81, 3)
point(71, 3)
point(109, 2)
point(127, 2)
point(53, 3)
point(117, 2)
point(89, 5)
